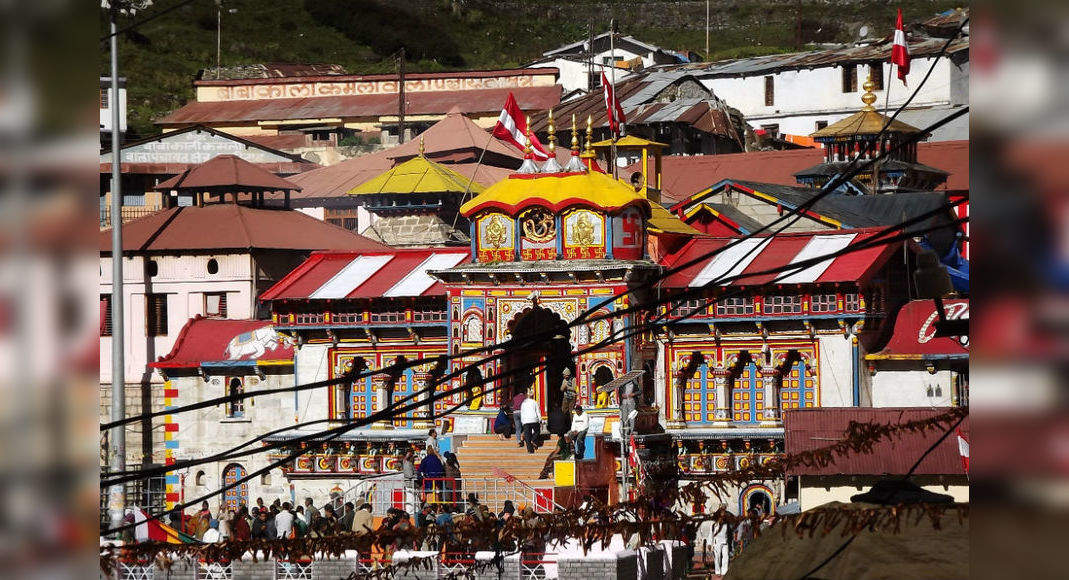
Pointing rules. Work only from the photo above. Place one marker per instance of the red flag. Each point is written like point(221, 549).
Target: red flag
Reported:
point(614, 111)
point(899, 50)
point(511, 128)
point(963, 450)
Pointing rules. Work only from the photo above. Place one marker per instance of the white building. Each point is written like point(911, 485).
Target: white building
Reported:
point(185, 262)
point(106, 105)
point(800, 93)
point(581, 66)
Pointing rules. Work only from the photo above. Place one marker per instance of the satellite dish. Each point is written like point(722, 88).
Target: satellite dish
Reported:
point(863, 32)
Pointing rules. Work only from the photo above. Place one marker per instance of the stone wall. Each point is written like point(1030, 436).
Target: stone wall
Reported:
point(140, 448)
point(604, 565)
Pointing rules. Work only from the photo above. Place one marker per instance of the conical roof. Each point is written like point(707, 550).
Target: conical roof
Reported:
point(556, 192)
point(417, 175)
point(227, 172)
point(453, 133)
point(867, 121)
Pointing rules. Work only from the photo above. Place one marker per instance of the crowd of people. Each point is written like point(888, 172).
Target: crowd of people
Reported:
point(280, 519)
point(522, 417)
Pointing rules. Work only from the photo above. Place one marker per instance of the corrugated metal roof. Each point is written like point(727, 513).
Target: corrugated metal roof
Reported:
point(418, 103)
point(754, 256)
point(352, 275)
point(227, 172)
point(807, 429)
point(228, 226)
point(876, 52)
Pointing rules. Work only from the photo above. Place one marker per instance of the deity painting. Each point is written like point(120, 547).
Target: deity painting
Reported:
point(584, 235)
point(496, 236)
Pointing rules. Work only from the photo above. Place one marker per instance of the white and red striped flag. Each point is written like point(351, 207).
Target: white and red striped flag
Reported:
point(613, 110)
point(899, 50)
point(963, 450)
point(511, 128)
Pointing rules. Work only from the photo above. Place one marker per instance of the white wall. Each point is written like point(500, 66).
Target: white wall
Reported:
point(573, 75)
point(803, 97)
point(105, 113)
point(811, 496)
point(836, 370)
point(892, 388)
point(184, 279)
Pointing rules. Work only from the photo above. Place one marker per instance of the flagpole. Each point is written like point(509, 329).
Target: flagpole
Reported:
point(467, 189)
point(612, 85)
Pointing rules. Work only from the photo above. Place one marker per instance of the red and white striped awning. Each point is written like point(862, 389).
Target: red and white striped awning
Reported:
point(347, 275)
point(755, 260)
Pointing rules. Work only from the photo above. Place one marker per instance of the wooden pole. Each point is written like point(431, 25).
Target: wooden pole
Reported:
point(401, 96)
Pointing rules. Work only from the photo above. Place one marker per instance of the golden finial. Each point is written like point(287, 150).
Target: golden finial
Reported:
point(869, 97)
point(422, 148)
point(552, 133)
point(589, 134)
point(527, 142)
point(575, 135)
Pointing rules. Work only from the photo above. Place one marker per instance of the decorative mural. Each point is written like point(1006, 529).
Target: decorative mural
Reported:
point(538, 234)
point(584, 235)
point(496, 235)
point(628, 235)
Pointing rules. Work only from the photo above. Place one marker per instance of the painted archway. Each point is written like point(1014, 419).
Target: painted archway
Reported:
point(757, 496)
point(541, 342)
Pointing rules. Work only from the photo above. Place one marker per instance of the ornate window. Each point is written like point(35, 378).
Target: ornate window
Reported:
point(786, 304)
point(737, 306)
point(852, 302)
point(823, 303)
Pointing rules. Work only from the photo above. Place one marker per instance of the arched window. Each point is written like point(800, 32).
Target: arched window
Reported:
point(199, 479)
point(237, 495)
point(235, 407)
point(757, 497)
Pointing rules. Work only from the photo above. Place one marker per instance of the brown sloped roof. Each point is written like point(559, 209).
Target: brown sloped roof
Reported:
point(455, 132)
point(806, 429)
point(227, 172)
point(377, 105)
point(865, 122)
point(683, 176)
point(228, 226)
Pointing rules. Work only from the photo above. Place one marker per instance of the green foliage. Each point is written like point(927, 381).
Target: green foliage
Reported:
point(161, 58)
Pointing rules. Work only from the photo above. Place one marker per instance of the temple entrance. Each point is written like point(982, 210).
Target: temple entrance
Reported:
point(538, 356)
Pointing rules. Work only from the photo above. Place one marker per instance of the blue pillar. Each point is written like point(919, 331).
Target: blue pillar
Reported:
point(560, 237)
point(608, 235)
point(855, 366)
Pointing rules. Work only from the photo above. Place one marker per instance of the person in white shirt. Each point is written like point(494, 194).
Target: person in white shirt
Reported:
point(284, 521)
point(531, 417)
point(580, 425)
point(432, 442)
point(720, 548)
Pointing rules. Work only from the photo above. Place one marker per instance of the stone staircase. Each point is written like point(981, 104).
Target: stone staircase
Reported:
point(480, 455)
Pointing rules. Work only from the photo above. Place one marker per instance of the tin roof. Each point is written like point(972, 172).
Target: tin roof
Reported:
point(683, 176)
point(412, 76)
point(350, 106)
point(417, 175)
point(750, 258)
point(453, 134)
point(228, 172)
point(807, 429)
point(227, 343)
point(351, 275)
point(863, 53)
point(228, 226)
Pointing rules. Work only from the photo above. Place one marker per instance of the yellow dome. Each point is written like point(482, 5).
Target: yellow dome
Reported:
point(556, 192)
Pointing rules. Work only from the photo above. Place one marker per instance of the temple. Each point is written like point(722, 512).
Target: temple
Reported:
point(560, 275)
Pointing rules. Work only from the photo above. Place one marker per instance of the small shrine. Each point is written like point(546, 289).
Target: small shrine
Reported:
point(866, 135)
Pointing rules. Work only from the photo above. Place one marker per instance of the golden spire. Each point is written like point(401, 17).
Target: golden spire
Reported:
point(575, 136)
point(527, 141)
point(422, 148)
point(589, 150)
point(869, 97)
point(552, 134)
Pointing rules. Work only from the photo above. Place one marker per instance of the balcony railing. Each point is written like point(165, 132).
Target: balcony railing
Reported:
point(129, 213)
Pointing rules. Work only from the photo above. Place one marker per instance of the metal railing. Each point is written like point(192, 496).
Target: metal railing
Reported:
point(215, 571)
point(538, 566)
point(129, 213)
point(293, 570)
point(135, 571)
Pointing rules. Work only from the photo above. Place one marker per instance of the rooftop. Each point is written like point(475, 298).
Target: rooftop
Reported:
point(228, 226)
point(556, 191)
point(417, 175)
point(807, 429)
point(227, 172)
